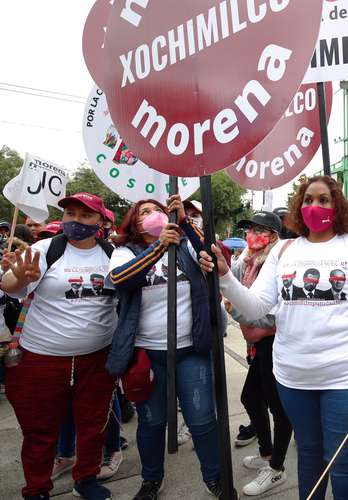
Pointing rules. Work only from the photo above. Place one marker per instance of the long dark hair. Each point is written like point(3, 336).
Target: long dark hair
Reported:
point(128, 231)
point(294, 220)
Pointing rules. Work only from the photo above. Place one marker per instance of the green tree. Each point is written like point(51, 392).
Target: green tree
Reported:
point(84, 179)
point(10, 165)
point(229, 206)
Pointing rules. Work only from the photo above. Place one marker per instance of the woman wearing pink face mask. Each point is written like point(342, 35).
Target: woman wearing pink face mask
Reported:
point(308, 283)
point(260, 390)
point(139, 272)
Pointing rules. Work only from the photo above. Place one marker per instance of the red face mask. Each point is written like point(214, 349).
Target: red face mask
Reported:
point(257, 241)
point(318, 219)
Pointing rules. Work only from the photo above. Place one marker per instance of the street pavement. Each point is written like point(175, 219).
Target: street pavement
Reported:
point(183, 480)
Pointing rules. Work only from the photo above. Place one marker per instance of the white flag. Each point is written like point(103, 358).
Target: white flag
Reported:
point(39, 183)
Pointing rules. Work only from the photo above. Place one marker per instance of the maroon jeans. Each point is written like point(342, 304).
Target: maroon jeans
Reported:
point(40, 389)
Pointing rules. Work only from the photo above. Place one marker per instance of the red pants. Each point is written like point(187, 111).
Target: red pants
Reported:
point(39, 390)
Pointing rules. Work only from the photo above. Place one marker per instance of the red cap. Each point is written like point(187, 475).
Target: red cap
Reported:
point(109, 215)
point(52, 228)
point(75, 280)
point(89, 200)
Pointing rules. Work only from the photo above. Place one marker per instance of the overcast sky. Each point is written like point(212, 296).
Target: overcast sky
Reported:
point(41, 49)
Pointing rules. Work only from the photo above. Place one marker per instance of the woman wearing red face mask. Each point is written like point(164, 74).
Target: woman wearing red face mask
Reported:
point(260, 390)
point(139, 272)
point(308, 284)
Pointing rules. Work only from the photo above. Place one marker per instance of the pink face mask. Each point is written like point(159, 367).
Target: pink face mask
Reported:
point(154, 223)
point(257, 241)
point(318, 219)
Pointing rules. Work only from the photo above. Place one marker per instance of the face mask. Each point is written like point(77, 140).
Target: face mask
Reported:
point(76, 231)
point(3, 238)
point(318, 219)
point(257, 241)
point(154, 223)
point(197, 221)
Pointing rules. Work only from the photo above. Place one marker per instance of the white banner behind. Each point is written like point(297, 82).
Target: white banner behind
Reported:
point(330, 60)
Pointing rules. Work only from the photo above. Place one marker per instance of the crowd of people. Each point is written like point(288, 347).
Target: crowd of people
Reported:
point(83, 312)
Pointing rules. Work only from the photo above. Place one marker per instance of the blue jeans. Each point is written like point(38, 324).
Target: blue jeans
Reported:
point(320, 422)
point(195, 393)
point(66, 441)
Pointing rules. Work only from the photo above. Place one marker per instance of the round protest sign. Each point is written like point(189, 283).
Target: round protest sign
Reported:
point(196, 85)
point(93, 39)
point(115, 165)
point(289, 147)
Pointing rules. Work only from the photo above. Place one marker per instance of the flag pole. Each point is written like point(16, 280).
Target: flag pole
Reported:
point(13, 227)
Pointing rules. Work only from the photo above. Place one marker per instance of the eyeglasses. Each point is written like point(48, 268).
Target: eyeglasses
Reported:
point(259, 230)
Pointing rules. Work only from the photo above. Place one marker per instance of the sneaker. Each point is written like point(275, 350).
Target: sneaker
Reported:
point(40, 496)
point(255, 462)
point(247, 435)
point(184, 434)
point(214, 488)
point(149, 490)
point(266, 479)
point(110, 465)
point(61, 466)
point(123, 443)
point(90, 489)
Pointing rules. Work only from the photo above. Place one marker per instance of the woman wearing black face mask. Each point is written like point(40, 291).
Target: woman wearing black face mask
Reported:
point(308, 284)
point(64, 342)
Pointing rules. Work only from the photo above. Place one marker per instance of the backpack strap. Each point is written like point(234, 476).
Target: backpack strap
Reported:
point(286, 245)
point(58, 245)
point(56, 249)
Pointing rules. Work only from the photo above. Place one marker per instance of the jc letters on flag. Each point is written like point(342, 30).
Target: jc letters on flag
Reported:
point(39, 183)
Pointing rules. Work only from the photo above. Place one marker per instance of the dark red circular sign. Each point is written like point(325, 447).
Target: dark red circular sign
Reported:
point(290, 146)
point(93, 39)
point(195, 85)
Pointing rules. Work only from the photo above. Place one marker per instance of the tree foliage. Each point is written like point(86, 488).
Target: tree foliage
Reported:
point(10, 165)
point(229, 206)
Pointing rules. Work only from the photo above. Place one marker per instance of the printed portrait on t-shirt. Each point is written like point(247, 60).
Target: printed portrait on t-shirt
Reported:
point(76, 288)
point(288, 280)
point(337, 280)
point(158, 275)
point(309, 290)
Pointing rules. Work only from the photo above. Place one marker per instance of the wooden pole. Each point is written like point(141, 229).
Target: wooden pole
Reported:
point(218, 355)
point(13, 227)
point(172, 335)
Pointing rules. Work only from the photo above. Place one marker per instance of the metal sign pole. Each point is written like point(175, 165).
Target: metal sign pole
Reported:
point(172, 335)
point(323, 128)
point(218, 358)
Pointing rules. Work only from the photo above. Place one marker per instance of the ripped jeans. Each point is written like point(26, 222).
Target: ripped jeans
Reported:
point(195, 393)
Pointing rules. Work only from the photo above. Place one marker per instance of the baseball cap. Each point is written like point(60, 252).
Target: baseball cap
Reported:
point(89, 200)
point(109, 215)
point(267, 219)
point(51, 229)
point(5, 224)
point(196, 205)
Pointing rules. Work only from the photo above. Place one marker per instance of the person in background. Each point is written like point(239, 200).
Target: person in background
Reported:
point(22, 232)
point(310, 351)
point(35, 227)
point(65, 344)
point(283, 213)
point(5, 228)
point(51, 229)
point(260, 391)
point(138, 270)
point(109, 223)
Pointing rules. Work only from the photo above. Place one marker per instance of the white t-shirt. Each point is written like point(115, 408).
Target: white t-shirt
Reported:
point(310, 286)
point(72, 313)
point(152, 333)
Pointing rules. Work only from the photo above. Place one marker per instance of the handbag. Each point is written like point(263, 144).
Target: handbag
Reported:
point(139, 380)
